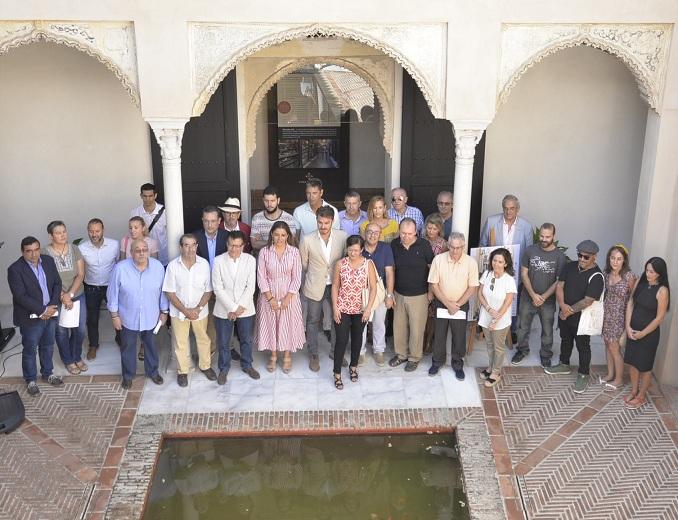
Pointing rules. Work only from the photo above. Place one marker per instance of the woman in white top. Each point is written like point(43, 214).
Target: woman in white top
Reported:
point(497, 288)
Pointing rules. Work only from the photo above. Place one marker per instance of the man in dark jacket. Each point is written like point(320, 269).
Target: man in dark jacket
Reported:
point(36, 294)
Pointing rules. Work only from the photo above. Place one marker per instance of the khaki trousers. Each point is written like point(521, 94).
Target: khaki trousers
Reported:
point(211, 327)
point(409, 323)
point(496, 347)
point(182, 344)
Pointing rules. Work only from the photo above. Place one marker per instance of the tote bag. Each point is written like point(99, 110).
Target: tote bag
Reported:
point(591, 321)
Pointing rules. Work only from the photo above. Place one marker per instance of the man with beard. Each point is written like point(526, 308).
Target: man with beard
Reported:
point(263, 221)
point(540, 266)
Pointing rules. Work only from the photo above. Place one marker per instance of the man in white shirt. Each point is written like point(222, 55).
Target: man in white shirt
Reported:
point(100, 254)
point(188, 288)
point(153, 214)
point(305, 215)
point(234, 279)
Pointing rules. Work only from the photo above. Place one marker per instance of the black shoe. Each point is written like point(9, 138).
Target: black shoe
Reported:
point(157, 379)
point(210, 374)
point(251, 372)
point(411, 366)
point(235, 355)
point(433, 370)
point(459, 374)
point(328, 335)
point(395, 361)
point(182, 380)
point(126, 384)
point(518, 358)
point(485, 375)
point(223, 376)
point(33, 389)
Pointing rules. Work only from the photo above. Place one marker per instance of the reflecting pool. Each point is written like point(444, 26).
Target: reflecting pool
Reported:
point(352, 477)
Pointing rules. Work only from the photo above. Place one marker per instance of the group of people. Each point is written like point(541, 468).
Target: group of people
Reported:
point(353, 267)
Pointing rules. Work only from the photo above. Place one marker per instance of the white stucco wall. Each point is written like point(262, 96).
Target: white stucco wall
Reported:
point(72, 146)
point(569, 143)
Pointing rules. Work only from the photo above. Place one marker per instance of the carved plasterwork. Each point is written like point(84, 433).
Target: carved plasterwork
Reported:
point(644, 48)
point(377, 71)
point(420, 48)
point(112, 43)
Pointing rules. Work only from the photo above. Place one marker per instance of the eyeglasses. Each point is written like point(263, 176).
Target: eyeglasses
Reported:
point(583, 256)
point(369, 232)
point(443, 203)
point(492, 284)
point(397, 199)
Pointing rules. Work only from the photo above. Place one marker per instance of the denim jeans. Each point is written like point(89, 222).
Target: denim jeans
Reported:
point(350, 324)
point(37, 338)
point(128, 353)
point(244, 326)
point(70, 340)
point(94, 295)
point(546, 312)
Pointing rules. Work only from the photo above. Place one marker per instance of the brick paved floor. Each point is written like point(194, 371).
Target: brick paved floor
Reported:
point(560, 455)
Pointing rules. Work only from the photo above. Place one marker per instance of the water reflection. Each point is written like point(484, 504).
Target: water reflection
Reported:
point(349, 477)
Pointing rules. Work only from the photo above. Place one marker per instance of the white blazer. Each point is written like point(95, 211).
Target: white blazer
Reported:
point(234, 291)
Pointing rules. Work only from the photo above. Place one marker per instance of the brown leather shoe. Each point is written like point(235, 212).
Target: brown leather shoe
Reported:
point(314, 363)
point(91, 353)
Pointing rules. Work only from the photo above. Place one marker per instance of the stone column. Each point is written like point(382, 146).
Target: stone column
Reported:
point(467, 134)
point(168, 134)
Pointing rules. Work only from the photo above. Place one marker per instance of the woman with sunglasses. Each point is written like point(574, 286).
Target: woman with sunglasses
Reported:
point(644, 313)
point(496, 292)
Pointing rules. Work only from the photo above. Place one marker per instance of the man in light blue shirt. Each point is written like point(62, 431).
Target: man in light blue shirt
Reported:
point(400, 210)
point(305, 215)
point(352, 217)
point(137, 305)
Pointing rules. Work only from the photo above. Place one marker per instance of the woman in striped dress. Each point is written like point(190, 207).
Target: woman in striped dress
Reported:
point(280, 326)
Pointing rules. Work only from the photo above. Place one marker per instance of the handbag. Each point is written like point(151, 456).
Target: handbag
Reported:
point(379, 297)
point(591, 320)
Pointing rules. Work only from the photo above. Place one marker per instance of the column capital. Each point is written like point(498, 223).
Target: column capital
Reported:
point(168, 134)
point(467, 134)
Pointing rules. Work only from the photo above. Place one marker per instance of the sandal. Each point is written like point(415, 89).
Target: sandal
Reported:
point(338, 383)
point(82, 366)
point(287, 364)
point(73, 369)
point(635, 403)
point(630, 397)
point(272, 364)
point(353, 371)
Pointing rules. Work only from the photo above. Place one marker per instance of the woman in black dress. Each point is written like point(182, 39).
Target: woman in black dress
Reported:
point(644, 313)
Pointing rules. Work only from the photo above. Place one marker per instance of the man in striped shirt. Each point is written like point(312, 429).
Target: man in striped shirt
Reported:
point(400, 210)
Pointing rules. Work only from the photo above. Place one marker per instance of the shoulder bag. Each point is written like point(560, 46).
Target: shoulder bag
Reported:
point(591, 320)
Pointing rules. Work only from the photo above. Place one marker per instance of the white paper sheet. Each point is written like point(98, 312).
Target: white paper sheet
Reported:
point(442, 312)
point(70, 318)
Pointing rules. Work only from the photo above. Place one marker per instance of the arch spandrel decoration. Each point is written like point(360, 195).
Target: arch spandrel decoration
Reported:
point(111, 43)
point(420, 48)
point(377, 72)
point(643, 48)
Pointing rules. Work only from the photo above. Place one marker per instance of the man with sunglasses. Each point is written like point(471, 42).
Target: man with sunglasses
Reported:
point(400, 210)
point(444, 201)
point(579, 285)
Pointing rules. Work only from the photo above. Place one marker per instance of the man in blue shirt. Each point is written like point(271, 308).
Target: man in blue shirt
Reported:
point(400, 210)
point(36, 291)
point(352, 217)
point(137, 304)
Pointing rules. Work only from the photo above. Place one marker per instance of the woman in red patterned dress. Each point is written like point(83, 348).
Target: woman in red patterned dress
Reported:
point(352, 274)
point(280, 326)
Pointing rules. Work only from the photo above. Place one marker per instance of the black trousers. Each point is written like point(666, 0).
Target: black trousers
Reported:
point(458, 348)
point(568, 338)
point(94, 295)
point(350, 324)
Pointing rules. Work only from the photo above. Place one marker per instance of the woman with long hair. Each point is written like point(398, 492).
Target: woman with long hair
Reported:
point(279, 325)
point(433, 232)
point(71, 267)
point(137, 229)
point(352, 274)
point(495, 294)
point(644, 313)
point(376, 212)
point(619, 284)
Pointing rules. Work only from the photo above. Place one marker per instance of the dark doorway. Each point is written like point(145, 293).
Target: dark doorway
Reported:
point(210, 170)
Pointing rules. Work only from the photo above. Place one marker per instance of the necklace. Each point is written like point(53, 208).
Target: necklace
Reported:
point(61, 256)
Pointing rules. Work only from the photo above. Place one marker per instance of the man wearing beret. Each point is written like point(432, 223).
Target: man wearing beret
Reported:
point(579, 285)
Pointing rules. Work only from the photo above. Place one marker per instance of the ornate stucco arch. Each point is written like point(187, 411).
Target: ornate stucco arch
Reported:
point(288, 66)
point(419, 48)
point(643, 48)
point(111, 43)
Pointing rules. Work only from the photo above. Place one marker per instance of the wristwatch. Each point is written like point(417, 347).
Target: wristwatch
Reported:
point(389, 295)
point(201, 307)
point(71, 295)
